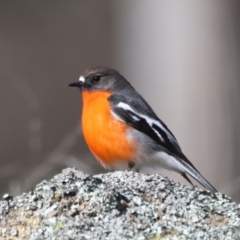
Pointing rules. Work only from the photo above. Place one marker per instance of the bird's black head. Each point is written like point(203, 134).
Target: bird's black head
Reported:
point(100, 78)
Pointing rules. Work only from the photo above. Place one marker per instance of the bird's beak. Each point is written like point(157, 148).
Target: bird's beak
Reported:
point(76, 84)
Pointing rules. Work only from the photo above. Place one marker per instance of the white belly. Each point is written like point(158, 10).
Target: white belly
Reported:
point(160, 160)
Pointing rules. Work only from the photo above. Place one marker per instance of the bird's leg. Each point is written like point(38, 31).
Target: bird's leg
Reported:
point(130, 166)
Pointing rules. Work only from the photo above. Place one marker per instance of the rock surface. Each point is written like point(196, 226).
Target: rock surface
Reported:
point(118, 205)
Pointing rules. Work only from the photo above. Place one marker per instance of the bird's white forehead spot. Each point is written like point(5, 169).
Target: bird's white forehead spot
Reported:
point(81, 79)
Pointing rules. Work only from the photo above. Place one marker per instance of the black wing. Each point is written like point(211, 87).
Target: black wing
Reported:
point(148, 123)
point(140, 116)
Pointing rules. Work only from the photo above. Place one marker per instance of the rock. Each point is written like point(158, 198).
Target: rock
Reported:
point(118, 205)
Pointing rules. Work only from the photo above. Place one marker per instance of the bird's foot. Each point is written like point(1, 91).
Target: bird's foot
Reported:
point(130, 166)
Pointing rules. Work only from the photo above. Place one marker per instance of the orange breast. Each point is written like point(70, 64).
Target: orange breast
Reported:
point(105, 135)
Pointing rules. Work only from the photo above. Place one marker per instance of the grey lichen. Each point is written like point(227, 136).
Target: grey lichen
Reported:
point(118, 205)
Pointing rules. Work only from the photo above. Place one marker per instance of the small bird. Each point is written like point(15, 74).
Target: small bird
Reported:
point(123, 132)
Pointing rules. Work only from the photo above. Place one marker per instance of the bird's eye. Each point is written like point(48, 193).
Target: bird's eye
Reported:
point(96, 79)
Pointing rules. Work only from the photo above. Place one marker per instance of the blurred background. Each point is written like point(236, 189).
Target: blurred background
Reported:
point(182, 56)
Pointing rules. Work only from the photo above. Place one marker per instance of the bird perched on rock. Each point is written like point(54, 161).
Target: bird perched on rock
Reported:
point(122, 131)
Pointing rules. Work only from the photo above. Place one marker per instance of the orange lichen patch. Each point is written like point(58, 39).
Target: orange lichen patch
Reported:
point(105, 135)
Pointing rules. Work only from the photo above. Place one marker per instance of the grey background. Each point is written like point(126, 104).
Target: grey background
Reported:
point(182, 56)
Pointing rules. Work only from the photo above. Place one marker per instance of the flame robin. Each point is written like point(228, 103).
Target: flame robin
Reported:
point(122, 130)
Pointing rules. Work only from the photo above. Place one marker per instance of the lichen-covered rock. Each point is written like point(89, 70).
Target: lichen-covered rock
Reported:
point(118, 205)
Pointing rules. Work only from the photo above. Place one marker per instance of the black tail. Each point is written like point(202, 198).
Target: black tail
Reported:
point(194, 173)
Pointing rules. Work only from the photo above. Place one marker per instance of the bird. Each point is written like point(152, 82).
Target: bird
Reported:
point(122, 130)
